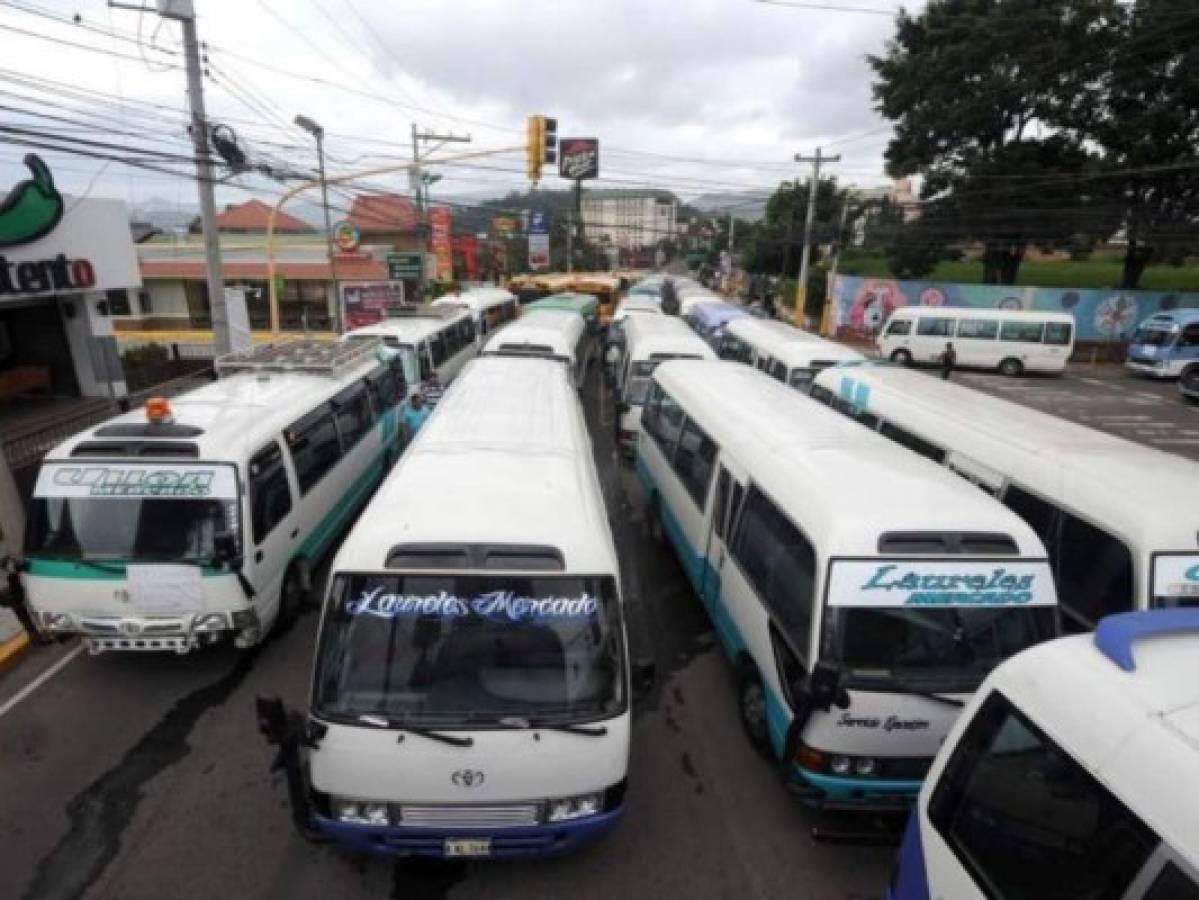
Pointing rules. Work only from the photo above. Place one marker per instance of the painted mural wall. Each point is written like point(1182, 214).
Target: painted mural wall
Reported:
point(862, 304)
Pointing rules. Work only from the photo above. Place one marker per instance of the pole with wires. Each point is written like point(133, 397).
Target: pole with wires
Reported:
point(318, 133)
point(801, 289)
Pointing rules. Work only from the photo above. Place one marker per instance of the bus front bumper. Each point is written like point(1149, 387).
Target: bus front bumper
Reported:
point(536, 841)
point(1154, 368)
point(179, 634)
point(836, 793)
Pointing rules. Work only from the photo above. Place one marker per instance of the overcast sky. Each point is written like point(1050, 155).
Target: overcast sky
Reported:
point(735, 87)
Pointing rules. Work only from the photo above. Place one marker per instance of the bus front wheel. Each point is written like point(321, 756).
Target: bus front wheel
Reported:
point(901, 358)
point(751, 702)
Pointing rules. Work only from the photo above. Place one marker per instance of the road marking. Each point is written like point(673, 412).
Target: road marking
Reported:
point(39, 681)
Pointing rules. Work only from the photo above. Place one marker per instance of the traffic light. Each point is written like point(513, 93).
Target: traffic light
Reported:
point(541, 145)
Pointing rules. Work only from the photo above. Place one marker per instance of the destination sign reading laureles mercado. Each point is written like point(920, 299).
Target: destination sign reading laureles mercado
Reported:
point(896, 583)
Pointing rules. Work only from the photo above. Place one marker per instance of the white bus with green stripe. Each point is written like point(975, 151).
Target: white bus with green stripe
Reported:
point(862, 592)
point(185, 523)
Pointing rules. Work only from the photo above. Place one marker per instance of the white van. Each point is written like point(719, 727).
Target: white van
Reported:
point(861, 593)
point(490, 307)
point(431, 339)
point(1013, 341)
point(1070, 774)
point(649, 340)
point(782, 351)
point(549, 334)
point(177, 525)
point(470, 695)
point(1119, 519)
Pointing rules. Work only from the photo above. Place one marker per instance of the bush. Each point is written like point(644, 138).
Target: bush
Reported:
point(145, 355)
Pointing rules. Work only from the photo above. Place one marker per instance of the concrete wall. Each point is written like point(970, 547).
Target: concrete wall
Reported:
point(93, 348)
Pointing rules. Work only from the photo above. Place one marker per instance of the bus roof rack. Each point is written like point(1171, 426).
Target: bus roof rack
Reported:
point(1115, 635)
point(422, 311)
point(301, 355)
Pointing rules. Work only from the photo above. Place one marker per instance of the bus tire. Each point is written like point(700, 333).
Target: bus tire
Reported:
point(901, 358)
point(1011, 367)
point(751, 709)
point(293, 597)
point(656, 531)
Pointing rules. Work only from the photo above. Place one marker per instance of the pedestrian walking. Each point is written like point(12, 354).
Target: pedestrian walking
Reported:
point(431, 389)
point(948, 360)
point(414, 415)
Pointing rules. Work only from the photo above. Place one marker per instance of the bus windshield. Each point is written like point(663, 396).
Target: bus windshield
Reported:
point(1153, 337)
point(471, 650)
point(132, 513)
point(934, 624)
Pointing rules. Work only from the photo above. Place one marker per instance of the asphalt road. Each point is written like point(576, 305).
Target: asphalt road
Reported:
point(144, 776)
point(1107, 398)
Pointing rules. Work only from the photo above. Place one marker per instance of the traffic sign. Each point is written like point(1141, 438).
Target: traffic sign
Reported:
point(403, 265)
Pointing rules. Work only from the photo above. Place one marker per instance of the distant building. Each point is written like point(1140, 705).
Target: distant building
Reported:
point(630, 219)
point(252, 217)
point(386, 219)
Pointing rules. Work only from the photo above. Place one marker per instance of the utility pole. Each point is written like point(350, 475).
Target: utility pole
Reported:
point(832, 272)
point(319, 134)
point(801, 290)
point(184, 12)
point(732, 231)
point(418, 188)
point(570, 244)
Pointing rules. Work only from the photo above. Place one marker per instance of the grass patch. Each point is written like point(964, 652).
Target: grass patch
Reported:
point(1093, 273)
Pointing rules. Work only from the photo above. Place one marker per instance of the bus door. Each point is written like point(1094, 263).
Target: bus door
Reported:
point(724, 509)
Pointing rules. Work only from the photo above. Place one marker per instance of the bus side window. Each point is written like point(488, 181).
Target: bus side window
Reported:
point(1094, 572)
point(778, 371)
point(693, 461)
point(1189, 336)
point(779, 563)
point(734, 510)
point(720, 508)
point(911, 441)
point(790, 670)
point(426, 365)
point(900, 326)
point(452, 337)
point(353, 415)
point(931, 326)
point(1006, 773)
point(270, 494)
point(437, 349)
point(1172, 883)
point(667, 422)
point(821, 395)
point(314, 447)
point(1057, 333)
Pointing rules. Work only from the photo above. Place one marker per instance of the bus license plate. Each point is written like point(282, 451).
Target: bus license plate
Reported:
point(468, 847)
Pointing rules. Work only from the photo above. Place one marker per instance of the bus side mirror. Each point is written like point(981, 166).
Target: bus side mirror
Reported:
point(272, 719)
point(826, 688)
point(622, 407)
point(645, 673)
point(224, 547)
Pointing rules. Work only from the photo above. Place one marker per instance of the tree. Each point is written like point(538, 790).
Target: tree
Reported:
point(1149, 128)
point(986, 96)
point(774, 246)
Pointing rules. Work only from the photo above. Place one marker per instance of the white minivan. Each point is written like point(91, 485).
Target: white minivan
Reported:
point(431, 339)
point(782, 351)
point(550, 334)
point(470, 695)
point(187, 522)
point(1013, 341)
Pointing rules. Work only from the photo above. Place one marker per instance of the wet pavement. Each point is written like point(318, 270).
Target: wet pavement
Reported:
point(145, 776)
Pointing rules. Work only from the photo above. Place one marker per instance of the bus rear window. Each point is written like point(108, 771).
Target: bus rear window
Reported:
point(1024, 819)
point(1058, 333)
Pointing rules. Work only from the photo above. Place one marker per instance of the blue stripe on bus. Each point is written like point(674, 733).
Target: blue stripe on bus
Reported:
point(849, 789)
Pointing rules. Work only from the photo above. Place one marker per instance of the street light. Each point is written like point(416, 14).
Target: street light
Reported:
point(319, 134)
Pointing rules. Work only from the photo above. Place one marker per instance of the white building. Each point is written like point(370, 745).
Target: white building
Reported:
point(629, 219)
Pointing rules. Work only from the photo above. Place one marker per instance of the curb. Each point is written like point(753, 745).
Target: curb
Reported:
point(11, 650)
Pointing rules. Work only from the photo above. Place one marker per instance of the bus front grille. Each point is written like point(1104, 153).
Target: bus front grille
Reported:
point(517, 815)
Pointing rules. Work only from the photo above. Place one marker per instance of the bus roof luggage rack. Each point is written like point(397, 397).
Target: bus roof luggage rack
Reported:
point(301, 355)
point(424, 311)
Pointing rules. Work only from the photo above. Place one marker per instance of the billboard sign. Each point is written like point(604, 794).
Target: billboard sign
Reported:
point(578, 158)
point(442, 245)
point(403, 265)
point(368, 302)
point(539, 251)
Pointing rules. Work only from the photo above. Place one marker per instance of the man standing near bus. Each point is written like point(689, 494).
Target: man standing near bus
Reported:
point(414, 415)
point(948, 359)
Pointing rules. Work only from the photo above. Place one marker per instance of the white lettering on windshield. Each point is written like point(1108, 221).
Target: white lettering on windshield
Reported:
point(103, 481)
point(997, 588)
point(495, 606)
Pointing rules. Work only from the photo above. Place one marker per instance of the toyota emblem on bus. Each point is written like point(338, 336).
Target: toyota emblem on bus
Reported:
point(468, 778)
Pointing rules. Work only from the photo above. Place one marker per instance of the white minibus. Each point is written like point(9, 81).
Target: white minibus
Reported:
point(549, 333)
point(1013, 341)
point(490, 307)
point(431, 339)
point(861, 592)
point(1120, 520)
point(649, 340)
point(1165, 344)
point(189, 521)
point(470, 693)
point(782, 351)
point(1071, 774)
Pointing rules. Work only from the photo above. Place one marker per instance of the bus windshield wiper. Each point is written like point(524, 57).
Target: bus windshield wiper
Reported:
point(897, 686)
point(523, 723)
point(394, 724)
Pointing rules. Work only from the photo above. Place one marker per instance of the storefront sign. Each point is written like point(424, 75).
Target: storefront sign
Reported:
point(33, 208)
point(441, 242)
point(933, 583)
point(346, 236)
point(578, 158)
point(368, 302)
point(539, 240)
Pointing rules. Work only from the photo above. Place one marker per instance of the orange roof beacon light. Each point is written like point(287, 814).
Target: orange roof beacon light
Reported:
point(158, 411)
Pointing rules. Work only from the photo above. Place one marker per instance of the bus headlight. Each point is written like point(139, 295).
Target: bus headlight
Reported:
point(568, 808)
point(361, 812)
point(840, 765)
point(210, 622)
point(56, 621)
point(864, 765)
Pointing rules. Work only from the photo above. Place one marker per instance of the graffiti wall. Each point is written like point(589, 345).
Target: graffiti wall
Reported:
point(862, 304)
